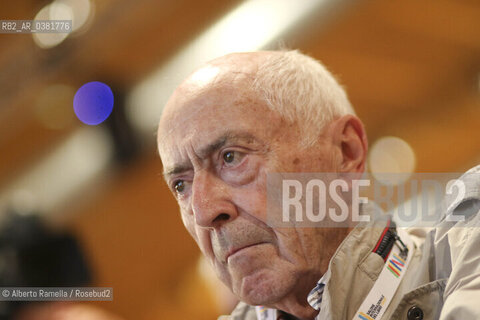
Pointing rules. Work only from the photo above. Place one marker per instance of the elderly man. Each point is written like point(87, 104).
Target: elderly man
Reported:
point(246, 115)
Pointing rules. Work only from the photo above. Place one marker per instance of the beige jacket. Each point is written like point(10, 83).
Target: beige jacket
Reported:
point(441, 282)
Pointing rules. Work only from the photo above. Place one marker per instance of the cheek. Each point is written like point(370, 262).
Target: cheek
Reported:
point(189, 224)
point(200, 235)
point(203, 240)
point(303, 247)
point(252, 198)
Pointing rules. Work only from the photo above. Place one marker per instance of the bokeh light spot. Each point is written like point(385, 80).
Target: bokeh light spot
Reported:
point(391, 160)
point(93, 102)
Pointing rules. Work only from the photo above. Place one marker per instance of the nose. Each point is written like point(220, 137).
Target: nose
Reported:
point(212, 204)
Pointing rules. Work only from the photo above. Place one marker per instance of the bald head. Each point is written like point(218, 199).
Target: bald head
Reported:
point(293, 85)
point(236, 69)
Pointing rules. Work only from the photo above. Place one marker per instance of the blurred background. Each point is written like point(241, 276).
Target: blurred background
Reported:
point(411, 69)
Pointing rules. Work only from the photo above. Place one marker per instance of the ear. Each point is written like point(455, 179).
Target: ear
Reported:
point(350, 139)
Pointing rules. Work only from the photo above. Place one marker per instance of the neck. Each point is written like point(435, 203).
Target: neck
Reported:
point(296, 303)
point(298, 308)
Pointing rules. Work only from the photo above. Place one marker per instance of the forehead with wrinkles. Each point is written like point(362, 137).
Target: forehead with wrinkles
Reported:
point(215, 101)
point(230, 76)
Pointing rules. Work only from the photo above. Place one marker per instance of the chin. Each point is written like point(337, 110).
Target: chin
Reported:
point(262, 288)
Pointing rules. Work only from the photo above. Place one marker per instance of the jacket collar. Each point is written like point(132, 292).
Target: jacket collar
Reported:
point(353, 268)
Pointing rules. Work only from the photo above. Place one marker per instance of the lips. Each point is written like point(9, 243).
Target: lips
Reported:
point(237, 249)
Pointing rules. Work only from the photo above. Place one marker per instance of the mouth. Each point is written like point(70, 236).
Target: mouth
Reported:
point(233, 251)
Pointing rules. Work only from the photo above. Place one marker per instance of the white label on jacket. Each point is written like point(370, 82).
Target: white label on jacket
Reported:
point(384, 289)
point(264, 313)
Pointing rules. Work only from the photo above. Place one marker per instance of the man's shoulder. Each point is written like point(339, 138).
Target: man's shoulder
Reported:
point(468, 186)
point(242, 311)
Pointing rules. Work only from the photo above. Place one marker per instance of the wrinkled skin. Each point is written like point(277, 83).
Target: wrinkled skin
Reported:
point(218, 140)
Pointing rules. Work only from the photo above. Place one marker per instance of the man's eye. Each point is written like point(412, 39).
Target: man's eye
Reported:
point(232, 157)
point(229, 156)
point(179, 186)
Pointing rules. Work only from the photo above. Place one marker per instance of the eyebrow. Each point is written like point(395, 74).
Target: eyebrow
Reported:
point(211, 148)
